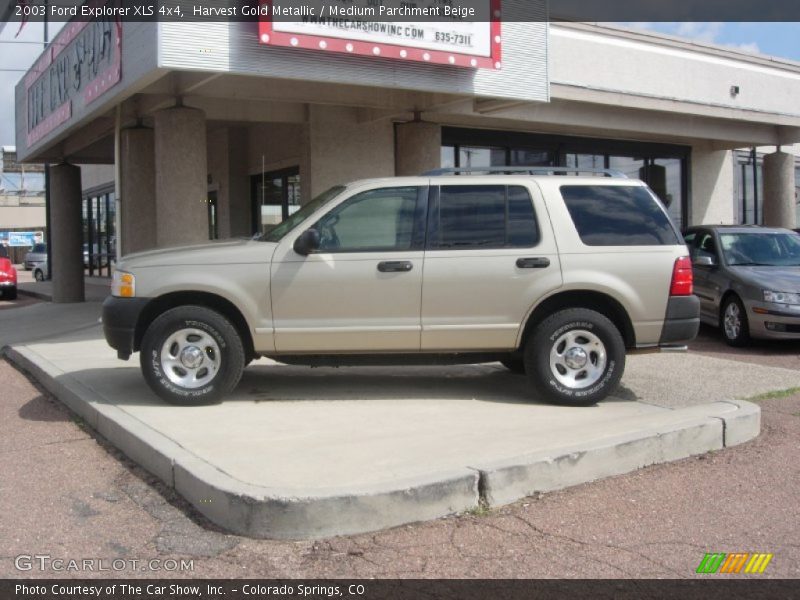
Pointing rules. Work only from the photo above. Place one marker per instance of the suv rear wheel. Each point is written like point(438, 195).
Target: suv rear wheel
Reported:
point(192, 355)
point(575, 357)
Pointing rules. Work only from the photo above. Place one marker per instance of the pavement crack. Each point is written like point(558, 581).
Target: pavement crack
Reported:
point(45, 444)
point(567, 538)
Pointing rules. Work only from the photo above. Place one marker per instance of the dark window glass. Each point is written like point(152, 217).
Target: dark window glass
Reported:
point(522, 229)
point(607, 215)
point(531, 158)
point(486, 216)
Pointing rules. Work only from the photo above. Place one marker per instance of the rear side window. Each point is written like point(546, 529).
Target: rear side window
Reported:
point(485, 216)
point(608, 215)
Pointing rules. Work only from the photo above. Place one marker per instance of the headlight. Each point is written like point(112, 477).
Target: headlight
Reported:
point(781, 297)
point(123, 285)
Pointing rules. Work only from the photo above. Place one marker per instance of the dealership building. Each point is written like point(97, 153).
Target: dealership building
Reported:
point(173, 133)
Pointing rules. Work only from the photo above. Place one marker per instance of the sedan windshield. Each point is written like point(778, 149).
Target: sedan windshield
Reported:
point(276, 234)
point(761, 249)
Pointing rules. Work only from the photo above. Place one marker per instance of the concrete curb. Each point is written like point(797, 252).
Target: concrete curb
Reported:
point(262, 512)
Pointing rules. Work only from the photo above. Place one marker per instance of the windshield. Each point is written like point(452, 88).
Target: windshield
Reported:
point(761, 249)
point(277, 233)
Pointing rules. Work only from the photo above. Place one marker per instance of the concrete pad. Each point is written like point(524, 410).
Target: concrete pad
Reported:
point(308, 453)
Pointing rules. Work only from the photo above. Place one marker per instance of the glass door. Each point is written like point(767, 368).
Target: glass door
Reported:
point(275, 195)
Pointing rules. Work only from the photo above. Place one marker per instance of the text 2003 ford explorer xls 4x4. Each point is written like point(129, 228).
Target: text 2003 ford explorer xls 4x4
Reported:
point(555, 276)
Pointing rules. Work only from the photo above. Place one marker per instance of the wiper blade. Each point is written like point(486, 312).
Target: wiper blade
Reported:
point(754, 264)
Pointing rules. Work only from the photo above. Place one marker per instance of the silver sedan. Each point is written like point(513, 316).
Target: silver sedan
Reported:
point(748, 280)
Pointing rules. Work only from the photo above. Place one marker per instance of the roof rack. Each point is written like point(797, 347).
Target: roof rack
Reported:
point(522, 170)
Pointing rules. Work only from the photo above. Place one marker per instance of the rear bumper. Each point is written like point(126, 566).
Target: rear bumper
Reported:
point(120, 316)
point(682, 321)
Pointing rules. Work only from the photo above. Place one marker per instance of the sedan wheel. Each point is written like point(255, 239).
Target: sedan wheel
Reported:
point(735, 327)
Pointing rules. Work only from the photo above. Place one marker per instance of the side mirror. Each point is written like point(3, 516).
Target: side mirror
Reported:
point(307, 242)
point(704, 261)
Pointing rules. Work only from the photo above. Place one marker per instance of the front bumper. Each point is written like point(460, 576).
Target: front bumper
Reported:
point(682, 321)
point(773, 321)
point(120, 316)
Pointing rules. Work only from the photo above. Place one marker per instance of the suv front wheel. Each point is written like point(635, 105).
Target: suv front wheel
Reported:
point(575, 357)
point(192, 355)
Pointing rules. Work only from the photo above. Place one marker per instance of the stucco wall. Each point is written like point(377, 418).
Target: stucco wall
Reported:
point(93, 176)
point(653, 66)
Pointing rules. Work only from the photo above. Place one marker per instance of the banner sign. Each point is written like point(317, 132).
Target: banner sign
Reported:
point(21, 239)
point(82, 61)
point(457, 37)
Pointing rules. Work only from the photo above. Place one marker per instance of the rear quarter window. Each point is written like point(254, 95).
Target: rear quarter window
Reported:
point(608, 215)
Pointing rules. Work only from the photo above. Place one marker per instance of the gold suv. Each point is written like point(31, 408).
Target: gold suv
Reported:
point(556, 276)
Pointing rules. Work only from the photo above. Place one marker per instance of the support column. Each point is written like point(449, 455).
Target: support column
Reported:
point(779, 201)
point(340, 147)
point(181, 171)
point(238, 183)
point(66, 233)
point(418, 148)
point(712, 186)
point(137, 190)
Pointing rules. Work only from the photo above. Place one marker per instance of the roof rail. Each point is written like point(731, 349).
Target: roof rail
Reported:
point(522, 170)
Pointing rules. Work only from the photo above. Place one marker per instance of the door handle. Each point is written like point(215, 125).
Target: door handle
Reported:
point(395, 266)
point(538, 262)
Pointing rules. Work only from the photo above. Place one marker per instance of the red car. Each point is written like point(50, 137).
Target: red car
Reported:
point(8, 279)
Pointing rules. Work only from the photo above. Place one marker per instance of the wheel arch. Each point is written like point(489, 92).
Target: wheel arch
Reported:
point(592, 300)
point(161, 304)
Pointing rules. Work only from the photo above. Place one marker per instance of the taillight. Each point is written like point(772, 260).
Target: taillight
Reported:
point(681, 277)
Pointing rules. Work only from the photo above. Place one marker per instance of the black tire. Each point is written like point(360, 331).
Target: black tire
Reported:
point(735, 326)
point(192, 333)
point(38, 275)
point(515, 364)
point(597, 344)
point(11, 293)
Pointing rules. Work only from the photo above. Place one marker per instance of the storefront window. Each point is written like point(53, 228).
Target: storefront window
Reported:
point(797, 196)
point(531, 158)
point(481, 157)
point(448, 157)
point(99, 234)
point(665, 181)
point(586, 161)
point(748, 189)
point(632, 167)
point(661, 166)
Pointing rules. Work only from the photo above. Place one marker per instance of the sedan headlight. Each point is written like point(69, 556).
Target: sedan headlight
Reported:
point(123, 285)
point(781, 297)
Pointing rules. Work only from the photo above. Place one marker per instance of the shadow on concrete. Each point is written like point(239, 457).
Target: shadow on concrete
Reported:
point(125, 386)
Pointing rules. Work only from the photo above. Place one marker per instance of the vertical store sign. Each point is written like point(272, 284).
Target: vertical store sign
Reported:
point(451, 39)
point(81, 63)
